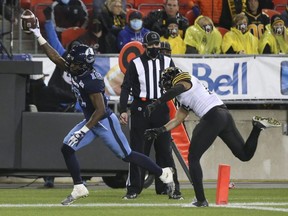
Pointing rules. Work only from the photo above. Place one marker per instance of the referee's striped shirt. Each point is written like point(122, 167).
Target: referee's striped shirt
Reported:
point(142, 78)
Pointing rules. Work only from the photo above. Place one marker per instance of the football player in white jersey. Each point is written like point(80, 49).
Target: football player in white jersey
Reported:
point(215, 120)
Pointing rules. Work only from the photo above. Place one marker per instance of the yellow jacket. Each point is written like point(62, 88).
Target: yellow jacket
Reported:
point(240, 42)
point(277, 43)
point(177, 44)
point(205, 43)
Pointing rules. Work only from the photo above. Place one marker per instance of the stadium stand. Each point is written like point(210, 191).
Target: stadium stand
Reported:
point(130, 4)
point(148, 5)
point(270, 12)
point(222, 30)
point(190, 16)
point(71, 34)
point(280, 5)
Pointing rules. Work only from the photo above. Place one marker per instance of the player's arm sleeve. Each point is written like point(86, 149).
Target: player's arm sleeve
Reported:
point(172, 93)
point(53, 38)
point(181, 83)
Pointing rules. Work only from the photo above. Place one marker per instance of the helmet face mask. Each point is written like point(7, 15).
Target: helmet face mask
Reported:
point(81, 58)
point(167, 77)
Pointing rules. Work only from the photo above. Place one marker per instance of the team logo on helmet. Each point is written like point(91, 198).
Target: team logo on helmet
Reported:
point(172, 75)
point(89, 55)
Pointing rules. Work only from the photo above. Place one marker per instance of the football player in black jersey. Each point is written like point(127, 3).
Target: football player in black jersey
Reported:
point(215, 121)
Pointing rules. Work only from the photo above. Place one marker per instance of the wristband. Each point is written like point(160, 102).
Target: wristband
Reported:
point(41, 40)
point(162, 129)
point(84, 129)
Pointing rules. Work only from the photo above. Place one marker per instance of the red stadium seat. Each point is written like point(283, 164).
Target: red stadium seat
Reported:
point(71, 34)
point(146, 8)
point(130, 4)
point(190, 16)
point(222, 30)
point(150, 2)
point(270, 12)
point(148, 5)
point(280, 5)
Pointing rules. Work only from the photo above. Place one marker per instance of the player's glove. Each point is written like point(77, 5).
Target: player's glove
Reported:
point(150, 108)
point(36, 31)
point(152, 134)
point(77, 136)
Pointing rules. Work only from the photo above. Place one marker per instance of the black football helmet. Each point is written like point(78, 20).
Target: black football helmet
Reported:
point(167, 76)
point(82, 55)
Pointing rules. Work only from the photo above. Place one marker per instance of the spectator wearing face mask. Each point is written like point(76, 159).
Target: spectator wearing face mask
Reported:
point(172, 36)
point(239, 40)
point(69, 13)
point(113, 20)
point(133, 31)
point(275, 39)
point(203, 37)
point(157, 20)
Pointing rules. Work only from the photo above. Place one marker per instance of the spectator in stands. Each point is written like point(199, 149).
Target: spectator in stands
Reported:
point(257, 20)
point(232, 7)
point(133, 31)
point(239, 40)
point(94, 36)
point(173, 38)
point(203, 37)
point(275, 38)
point(284, 16)
point(98, 4)
point(113, 19)
point(156, 20)
point(229, 9)
point(69, 13)
point(165, 48)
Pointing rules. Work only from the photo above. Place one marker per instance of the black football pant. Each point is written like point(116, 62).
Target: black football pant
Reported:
point(217, 122)
point(162, 145)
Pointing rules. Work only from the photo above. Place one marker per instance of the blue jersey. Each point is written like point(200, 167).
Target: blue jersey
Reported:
point(108, 128)
point(88, 83)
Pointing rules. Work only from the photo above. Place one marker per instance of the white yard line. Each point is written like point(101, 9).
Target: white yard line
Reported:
point(256, 206)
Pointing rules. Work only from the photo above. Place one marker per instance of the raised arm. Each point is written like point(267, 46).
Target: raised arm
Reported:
point(52, 54)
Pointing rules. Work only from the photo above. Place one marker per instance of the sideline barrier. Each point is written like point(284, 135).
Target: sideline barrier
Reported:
point(257, 79)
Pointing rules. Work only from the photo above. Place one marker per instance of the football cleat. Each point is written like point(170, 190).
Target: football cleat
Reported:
point(176, 196)
point(130, 196)
point(196, 203)
point(263, 122)
point(79, 191)
point(167, 175)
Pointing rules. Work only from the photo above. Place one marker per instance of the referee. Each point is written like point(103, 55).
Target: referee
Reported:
point(141, 82)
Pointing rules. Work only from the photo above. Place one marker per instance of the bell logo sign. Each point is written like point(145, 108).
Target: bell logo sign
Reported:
point(230, 82)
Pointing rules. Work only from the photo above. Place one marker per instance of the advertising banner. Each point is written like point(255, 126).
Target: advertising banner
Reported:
point(241, 78)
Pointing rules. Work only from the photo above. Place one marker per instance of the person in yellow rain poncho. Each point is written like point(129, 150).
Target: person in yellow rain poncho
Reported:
point(239, 40)
point(173, 37)
point(275, 38)
point(203, 37)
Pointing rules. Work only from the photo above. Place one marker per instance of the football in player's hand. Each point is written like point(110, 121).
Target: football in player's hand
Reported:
point(28, 20)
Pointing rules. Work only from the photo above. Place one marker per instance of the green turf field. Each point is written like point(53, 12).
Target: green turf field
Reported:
point(106, 201)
